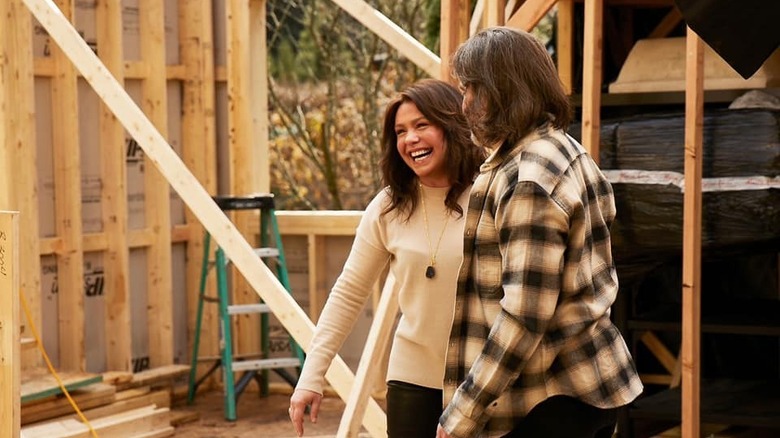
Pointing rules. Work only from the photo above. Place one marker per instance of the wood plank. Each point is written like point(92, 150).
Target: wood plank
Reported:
point(495, 13)
point(592, 77)
point(160, 433)
point(377, 345)
point(198, 152)
point(116, 259)
point(667, 24)
point(242, 162)
point(530, 14)
point(163, 375)
point(161, 399)
point(290, 315)
point(91, 396)
point(393, 35)
point(565, 44)
point(455, 18)
point(10, 354)
point(477, 17)
point(157, 193)
point(67, 200)
point(691, 280)
point(258, 56)
point(320, 223)
point(127, 424)
point(177, 418)
point(659, 350)
point(22, 168)
point(39, 383)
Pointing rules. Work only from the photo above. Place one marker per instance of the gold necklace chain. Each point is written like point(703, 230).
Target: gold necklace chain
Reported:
point(430, 271)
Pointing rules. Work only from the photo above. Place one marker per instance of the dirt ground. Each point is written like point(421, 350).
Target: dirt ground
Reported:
point(258, 417)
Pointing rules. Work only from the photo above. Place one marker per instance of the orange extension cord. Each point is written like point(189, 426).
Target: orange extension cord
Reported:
point(51, 368)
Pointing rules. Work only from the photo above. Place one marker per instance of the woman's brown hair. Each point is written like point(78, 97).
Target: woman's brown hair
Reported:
point(514, 83)
point(440, 103)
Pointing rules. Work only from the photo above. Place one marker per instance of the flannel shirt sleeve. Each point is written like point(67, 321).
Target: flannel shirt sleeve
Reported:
point(532, 231)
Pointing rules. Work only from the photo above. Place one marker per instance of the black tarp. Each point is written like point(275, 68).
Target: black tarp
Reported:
point(743, 32)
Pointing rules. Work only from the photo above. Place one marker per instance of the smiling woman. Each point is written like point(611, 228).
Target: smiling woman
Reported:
point(428, 161)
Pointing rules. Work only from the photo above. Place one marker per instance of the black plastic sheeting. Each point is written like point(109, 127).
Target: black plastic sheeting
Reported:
point(649, 223)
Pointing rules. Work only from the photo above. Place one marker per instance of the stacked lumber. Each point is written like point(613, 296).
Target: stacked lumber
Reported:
point(116, 404)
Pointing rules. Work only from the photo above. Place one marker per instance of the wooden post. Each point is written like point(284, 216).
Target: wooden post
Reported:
point(495, 12)
point(374, 351)
point(564, 43)
point(258, 57)
point(243, 164)
point(114, 197)
point(67, 188)
point(393, 35)
point(529, 14)
point(291, 316)
point(691, 287)
point(157, 204)
point(10, 367)
point(17, 123)
point(591, 77)
point(199, 150)
point(454, 30)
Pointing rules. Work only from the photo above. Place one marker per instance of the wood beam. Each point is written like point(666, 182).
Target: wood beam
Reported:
point(565, 44)
point(691, 284)
point(116, 258)
point(17, 122)
point(454, 30)
point(667, 24)
point(393, 35)
point(495, 12)
point(67, 194)
point(591, 77)
point(529, 14)
point(199, 151)
point(376, 346)
point(242, 158)
point(290, 315)
point(10, 346)
point(157, 205)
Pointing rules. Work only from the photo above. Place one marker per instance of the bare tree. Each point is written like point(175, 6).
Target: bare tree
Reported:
point(329, 83)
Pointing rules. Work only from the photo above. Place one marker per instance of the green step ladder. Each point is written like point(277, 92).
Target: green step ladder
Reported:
point(252, 367)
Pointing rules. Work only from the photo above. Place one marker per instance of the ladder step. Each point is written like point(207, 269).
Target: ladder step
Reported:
point(267, 252)
point(245, 309)
point(266, 364)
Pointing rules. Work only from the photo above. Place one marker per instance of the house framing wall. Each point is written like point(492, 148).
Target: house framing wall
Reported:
point(172, 55)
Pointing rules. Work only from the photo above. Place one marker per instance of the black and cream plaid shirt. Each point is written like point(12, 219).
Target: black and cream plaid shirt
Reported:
point(535, 290)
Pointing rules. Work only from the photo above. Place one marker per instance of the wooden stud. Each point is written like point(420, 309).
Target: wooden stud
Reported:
point(318, 289)
point(530, 14)
point(114, 197)
point(477, 17)
point(10, 353)
point(243, 164)
point(156, 192)
point(659, 350)
point(377, 344)
point(18, 117)
point(495, 12)
point(393, 35)
point(291, 316)
point(199, 151)
point(258, 57)
point(691, 285)
point(564, 44)
point(454, 30)
point(669, 22)
point(67, 188)
point(591, 77)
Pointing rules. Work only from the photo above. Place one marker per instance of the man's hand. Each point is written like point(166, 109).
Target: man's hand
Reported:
point(441, 433)
point(300, 399)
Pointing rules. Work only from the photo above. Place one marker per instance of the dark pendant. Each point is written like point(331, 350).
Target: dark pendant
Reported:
point(430, 272)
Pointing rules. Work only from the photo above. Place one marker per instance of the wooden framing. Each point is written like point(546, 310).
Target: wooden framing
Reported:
point(196, 181)
point(10, 360)
point(691, 287)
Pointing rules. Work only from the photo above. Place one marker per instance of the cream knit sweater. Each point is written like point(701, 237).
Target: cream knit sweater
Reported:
point(426, 305)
